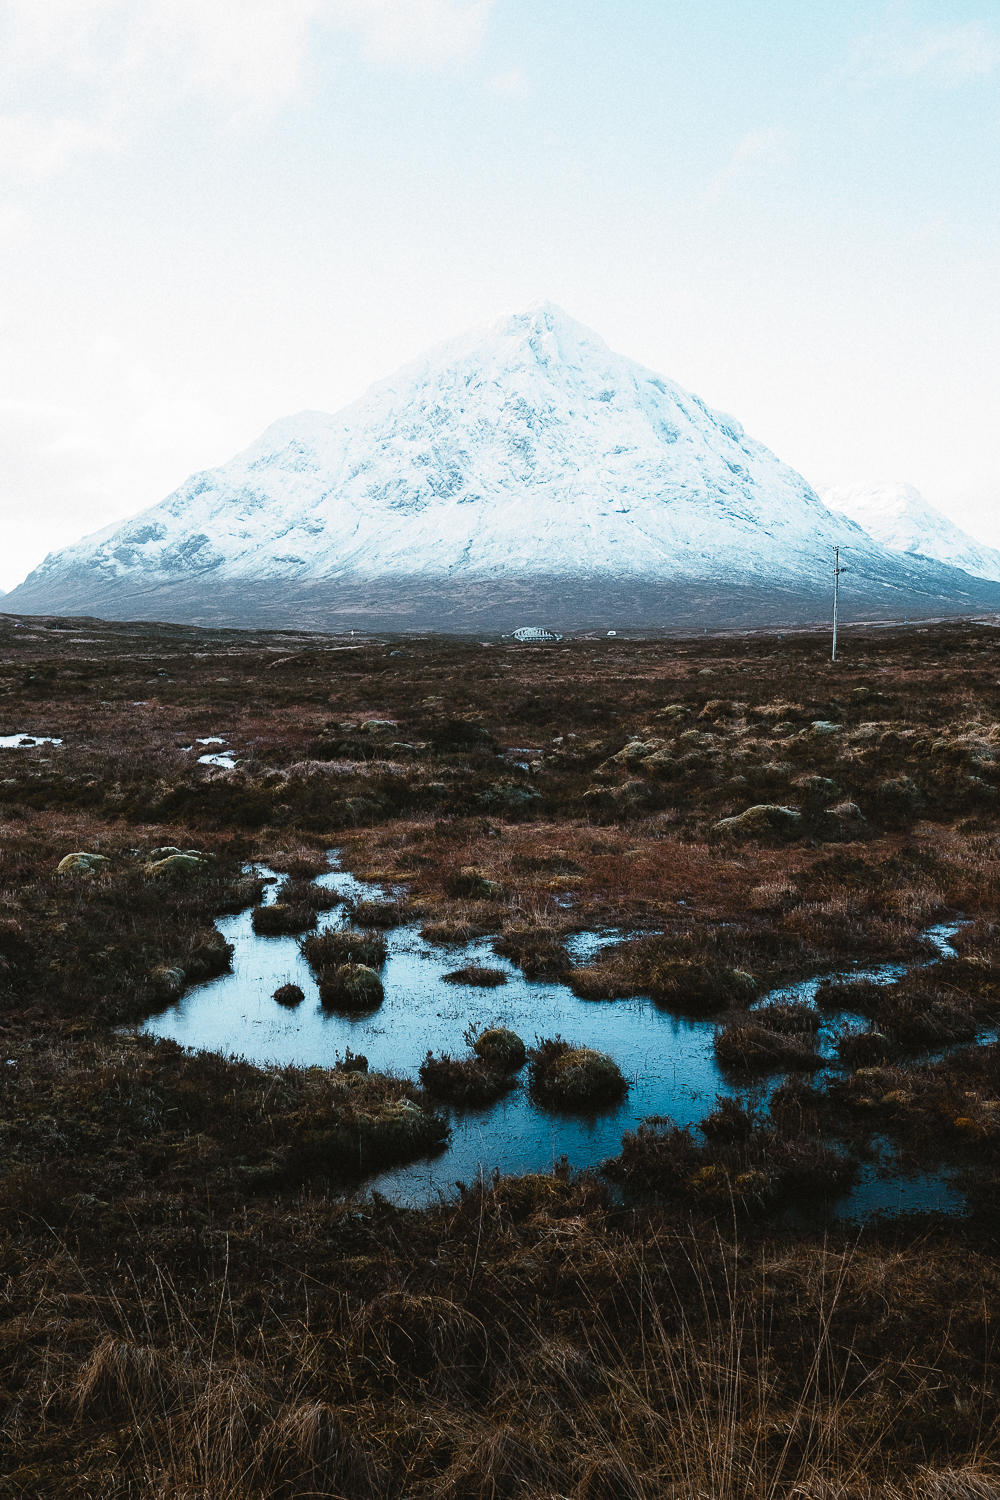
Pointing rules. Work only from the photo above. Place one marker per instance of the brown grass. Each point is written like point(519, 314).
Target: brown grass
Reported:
point(192, 1305)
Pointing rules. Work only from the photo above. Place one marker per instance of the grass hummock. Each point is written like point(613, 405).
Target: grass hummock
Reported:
point(289, 994)
point(464, 1081)
point(350, 987)
point(325, 950)
point(565, 1076)
point(475, 975)
point(282, 920)
point(500, 1048)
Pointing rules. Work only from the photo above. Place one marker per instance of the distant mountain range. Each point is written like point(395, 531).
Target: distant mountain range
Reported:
point(522, 472)
point(899, 518)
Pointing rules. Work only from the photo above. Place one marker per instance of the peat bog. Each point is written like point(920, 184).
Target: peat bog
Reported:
point(201, 1292)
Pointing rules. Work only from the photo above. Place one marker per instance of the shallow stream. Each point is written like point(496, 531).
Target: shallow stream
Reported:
point(667, 1058)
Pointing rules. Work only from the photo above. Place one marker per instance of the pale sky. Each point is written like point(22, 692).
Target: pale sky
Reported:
point(214, 213)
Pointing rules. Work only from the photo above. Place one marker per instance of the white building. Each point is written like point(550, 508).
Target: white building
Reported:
point(535, 633)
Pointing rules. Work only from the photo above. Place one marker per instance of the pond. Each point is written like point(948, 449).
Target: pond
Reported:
point(668, 1059)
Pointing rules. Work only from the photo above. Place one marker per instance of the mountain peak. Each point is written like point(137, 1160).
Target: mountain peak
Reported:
point(522, 452)
point(896, 515)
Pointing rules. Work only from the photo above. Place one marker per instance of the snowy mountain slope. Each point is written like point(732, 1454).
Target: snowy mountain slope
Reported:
point(899, 518)
point(524, 450)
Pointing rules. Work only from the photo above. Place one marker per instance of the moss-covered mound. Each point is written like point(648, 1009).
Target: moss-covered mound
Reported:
point(569, 1077)
point(501, 1048)
point(766, 821)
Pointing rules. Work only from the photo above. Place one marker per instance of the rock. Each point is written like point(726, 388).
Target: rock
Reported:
point(618, 798)
point(636, 750)
point(81, 863)
point(508, 796)
point(766, 820)
point(819, 727)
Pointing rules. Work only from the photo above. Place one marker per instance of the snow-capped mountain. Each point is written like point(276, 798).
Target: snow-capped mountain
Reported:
point(899, 518)
point(521, 456)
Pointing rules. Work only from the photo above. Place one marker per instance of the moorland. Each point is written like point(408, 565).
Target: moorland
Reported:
point(199, 1295)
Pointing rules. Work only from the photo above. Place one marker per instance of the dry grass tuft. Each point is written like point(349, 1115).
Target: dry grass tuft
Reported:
point(474, 974)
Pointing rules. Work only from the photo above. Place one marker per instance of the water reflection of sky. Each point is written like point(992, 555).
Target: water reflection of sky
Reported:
point(667, 1058)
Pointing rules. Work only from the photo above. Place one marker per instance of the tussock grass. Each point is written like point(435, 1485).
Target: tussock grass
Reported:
point(474, 974)
point(325, 950)
point(464, 1081)
point(537, 951)
point(282, 919)
point(194, 1306)
point(565, 1076)
point(379, 914)
point(745, 1045)
point(350, 987)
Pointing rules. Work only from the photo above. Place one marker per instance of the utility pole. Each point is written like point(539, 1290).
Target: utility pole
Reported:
point(837, 570)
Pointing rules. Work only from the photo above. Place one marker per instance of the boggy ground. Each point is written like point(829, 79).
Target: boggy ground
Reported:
point(196, 1303)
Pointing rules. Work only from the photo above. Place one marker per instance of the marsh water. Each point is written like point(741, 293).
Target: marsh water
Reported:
point(668, 1059)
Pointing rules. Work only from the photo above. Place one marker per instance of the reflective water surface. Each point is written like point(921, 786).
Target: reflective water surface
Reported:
point(668, 1059)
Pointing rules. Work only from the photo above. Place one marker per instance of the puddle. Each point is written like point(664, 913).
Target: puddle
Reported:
point(668, 1059)
point(226, 761)
point(25, 741)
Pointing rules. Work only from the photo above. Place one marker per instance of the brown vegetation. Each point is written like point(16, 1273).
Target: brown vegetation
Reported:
point(194, 1303)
